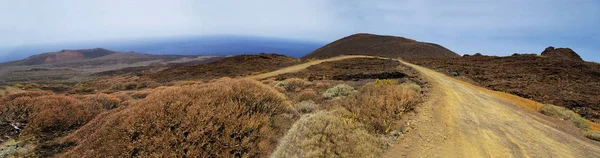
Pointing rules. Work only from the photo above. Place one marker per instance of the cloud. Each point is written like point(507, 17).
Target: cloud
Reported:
point(466, 26)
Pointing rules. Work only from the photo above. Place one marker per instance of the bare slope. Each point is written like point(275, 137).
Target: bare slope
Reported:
point(377, 45)
point(66, 56)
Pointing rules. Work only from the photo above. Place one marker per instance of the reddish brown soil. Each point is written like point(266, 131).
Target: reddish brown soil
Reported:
point(560, 81)
point(66, 55)
point(235, 66)
point(377, 45)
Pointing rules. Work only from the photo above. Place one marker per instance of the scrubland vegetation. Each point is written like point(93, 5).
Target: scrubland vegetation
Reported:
point(565, 114)
point(219, 118)
point(572, 117)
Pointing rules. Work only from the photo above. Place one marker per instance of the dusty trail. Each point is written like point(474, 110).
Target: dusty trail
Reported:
point(302, 66)
point(463, 120)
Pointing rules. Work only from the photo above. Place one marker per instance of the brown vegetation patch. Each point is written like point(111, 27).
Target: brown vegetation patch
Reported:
point(379, 106)
point(231, 118)
point(46, 116)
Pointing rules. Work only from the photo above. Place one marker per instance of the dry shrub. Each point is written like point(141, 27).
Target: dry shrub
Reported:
point(269, 81)
point(380, 106)
point(233, 118)
point(308, 94)
point(188, 83)
point(107, 101)
point(26, 94)
point(565, 114)
point(47, 114)
point(123, 95)
point(412, 86)
point(322, 85)
point(140, 94)
point(338, 91)
point(294, 84)
point(328, 134)
point(60, 113)
point(306, 106)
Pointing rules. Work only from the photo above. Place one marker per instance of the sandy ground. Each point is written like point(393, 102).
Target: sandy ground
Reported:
point(463, 120)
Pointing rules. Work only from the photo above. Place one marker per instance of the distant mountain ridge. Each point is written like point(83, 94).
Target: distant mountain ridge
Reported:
point(380, 45)
point(218, 45)
point(66, 56)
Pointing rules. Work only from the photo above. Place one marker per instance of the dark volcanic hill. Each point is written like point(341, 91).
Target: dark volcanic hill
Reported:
point(66, 56)
point(378, 45)
point(565, 53)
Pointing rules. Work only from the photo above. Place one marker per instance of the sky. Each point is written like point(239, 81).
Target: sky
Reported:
point(493, 27)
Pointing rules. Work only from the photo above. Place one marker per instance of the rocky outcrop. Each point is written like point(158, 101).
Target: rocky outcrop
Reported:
point(566, 53)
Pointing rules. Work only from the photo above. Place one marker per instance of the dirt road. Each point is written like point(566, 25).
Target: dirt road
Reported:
point(304, 66)
point(463, 120)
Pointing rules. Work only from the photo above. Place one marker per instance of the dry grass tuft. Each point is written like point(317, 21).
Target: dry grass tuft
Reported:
point(412, 86)
point(565, 114)
point(379, 106)
point(306, 106)
point(293, 84)
point(328, 134)
point(339, 91)
point(230, 118)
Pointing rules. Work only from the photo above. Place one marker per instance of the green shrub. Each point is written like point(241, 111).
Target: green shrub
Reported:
point(306, 106)
point(341, 90)
point(385, 82)
point(328, 134)
point(593, 135)
point(264, 71)
point(565, 114)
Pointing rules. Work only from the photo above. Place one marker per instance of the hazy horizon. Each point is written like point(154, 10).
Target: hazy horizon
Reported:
point(464, 26)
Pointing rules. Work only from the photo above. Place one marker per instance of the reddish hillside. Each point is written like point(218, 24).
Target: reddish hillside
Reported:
point(240, 65)
point(66, 56)
point(377, 45)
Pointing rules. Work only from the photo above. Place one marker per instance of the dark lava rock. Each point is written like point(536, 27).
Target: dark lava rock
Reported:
point(382, 75)
point(566, 53)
